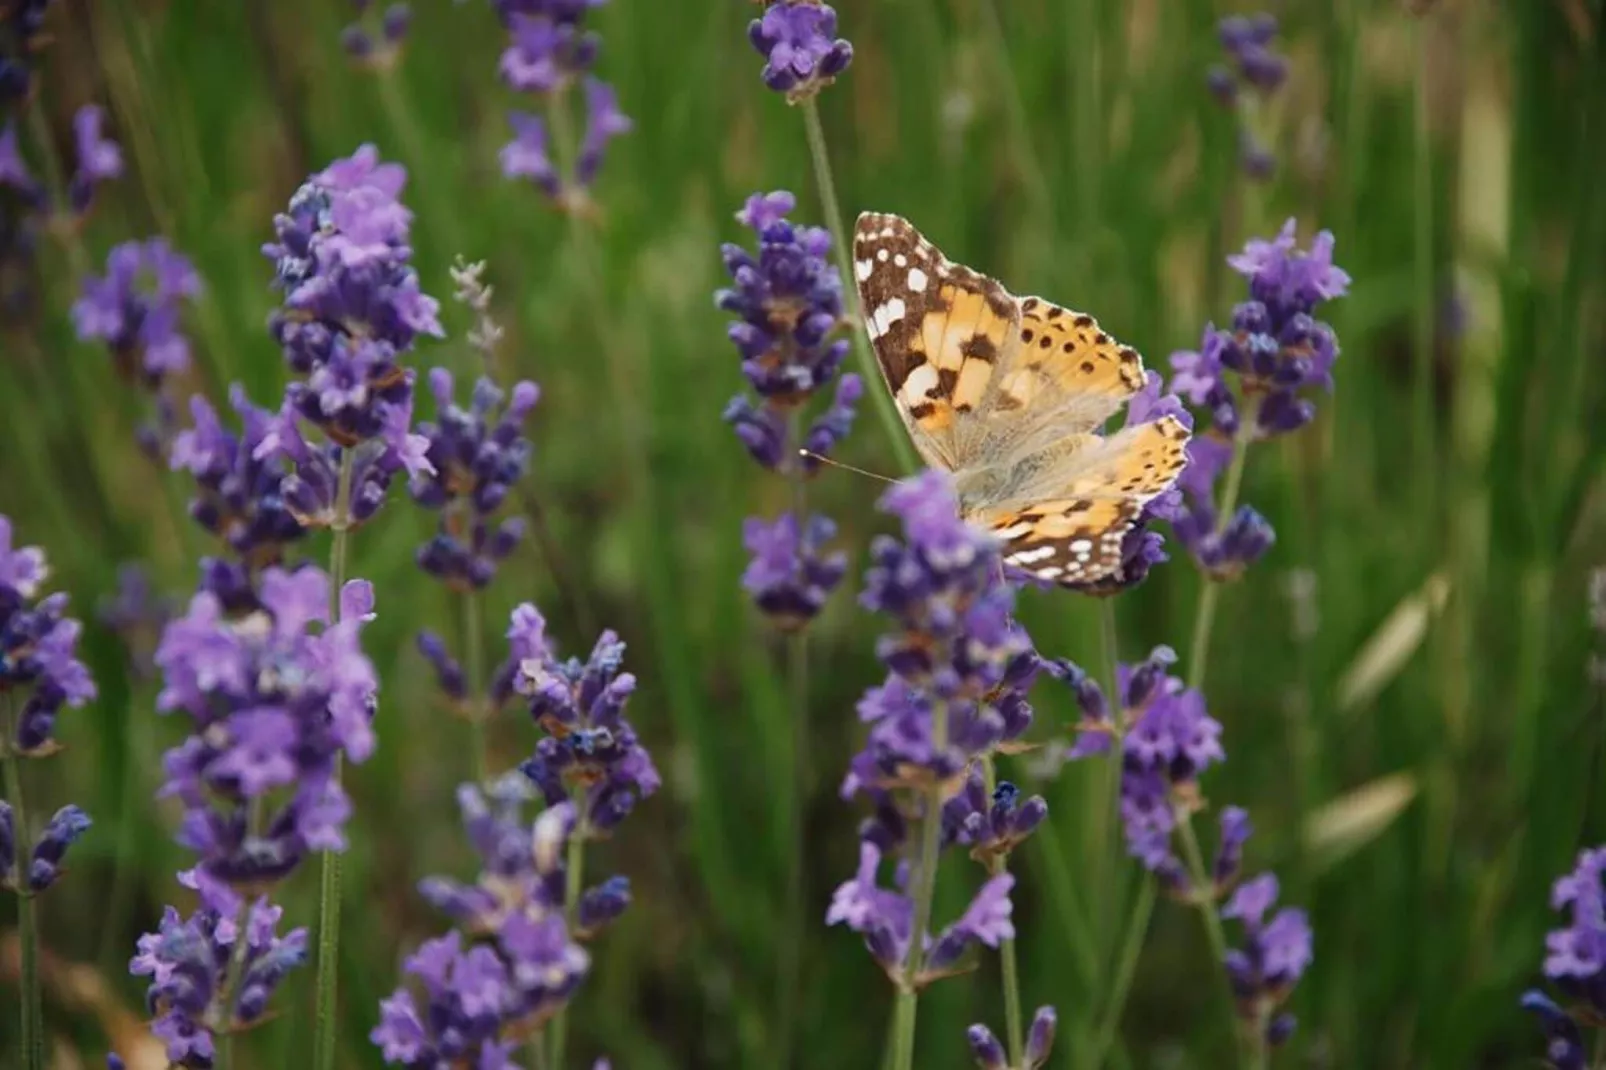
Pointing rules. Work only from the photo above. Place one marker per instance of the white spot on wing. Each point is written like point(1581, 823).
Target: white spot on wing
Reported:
point(920, 381)
point(881, 255)
point(887, 315)
point(1026, 557)
point(1014, 531)
point(917, 280)
point(862, 268)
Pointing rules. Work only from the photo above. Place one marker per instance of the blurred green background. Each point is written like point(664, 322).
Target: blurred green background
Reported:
point(1404, 680)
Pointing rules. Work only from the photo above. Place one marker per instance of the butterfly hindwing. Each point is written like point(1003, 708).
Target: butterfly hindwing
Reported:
point(939, 331)
point(1072, 531)
point(1065, 358)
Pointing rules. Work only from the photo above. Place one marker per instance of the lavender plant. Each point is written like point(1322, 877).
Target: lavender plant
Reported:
point(39, 674)
point(135, 311)
point(376, 37)
point(549, 51)
point(788, 300)
point(352, 309)
point(1252, 75)
point(477, 455)
point(1575, 963)
point(590, 767)
point(959, 668)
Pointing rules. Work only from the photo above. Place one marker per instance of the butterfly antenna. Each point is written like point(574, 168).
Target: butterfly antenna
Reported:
point(823, 459)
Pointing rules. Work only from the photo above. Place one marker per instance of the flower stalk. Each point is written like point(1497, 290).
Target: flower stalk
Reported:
point(904, 1014)
point(33, 1025)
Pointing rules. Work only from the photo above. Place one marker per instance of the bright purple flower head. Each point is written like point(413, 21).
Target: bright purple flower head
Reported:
point(469, 997)
point(518, 898)
point(990, 825)
point(135, 309)
point(190, 964)
point(549, 46)
point(476, 455)
point(802, 54)
point(274, 705)
point(590, 747)
point(789, 576)
point(44, 861)
point(1275, 955)
point(38, 648)
point(352, 303)
point(1575, 957)
point(238, 495)
point(885, 918)
point(99, 158)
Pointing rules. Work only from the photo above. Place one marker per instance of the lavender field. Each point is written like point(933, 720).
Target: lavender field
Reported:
point(554, 534)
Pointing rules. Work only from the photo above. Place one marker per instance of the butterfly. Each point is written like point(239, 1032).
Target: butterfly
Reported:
point(1008, 395)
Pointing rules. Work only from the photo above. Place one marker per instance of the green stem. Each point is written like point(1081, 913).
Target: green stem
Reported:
point(1108, 808)
point(1422, 400)
point(478, 708)
point(574, 872)
point(1205, 615)
point(1007, 965)
point(1126, 969)
point(789, 961)
point(33, 1015)
point(323, 1036)
point(925, 887)
point(888, 415)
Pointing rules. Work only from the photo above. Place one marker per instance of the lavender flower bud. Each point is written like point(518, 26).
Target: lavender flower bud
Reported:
point(985, 1047)
point(1040, 1038)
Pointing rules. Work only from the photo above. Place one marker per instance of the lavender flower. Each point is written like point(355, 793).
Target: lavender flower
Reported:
point(1275, 954)
point(1254, 71)
point(791, 574)
point(885, 918)
point(1167, 740)
point(44, 861)
point(238, 493)
point(518, 905)
point(467, 994)
point(136, 614)
point(135, 310)
point(989, 1053)
point(550, 50)
point(99, 158)
point(991, 826)
point(590, 751)
point(38, 649)
point(197, 991)
point(802, 54)
point(14, 173)
point(1275, 351)
point(376, 49)
point(274, 706)
point(1575, 961)
point(475, 457)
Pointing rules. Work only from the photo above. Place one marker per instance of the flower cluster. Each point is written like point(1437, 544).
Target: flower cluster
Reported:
point(204, 980)
point(1575, 962)
point(590, 752)
point(352, 308)
point(238, 494)
point(1275, 351)
point(26, 205)
point(1167, 739)
point(548, 50)
point(39, 870)
point(275, 704)
point(522, 963)
point(788, 302)
point(376, 49)
point(38, 650)
point(802, 53)
point(475, 455)
point(135, 310)
point(990, 1053)
point(1275, 955)
point(1252, 68)
point(959, 670)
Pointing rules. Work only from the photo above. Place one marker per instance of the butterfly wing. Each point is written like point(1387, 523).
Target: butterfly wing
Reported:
point(940, 332)
point(1066, 520)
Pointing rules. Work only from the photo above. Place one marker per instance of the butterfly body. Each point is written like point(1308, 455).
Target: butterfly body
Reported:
point(1009, 394)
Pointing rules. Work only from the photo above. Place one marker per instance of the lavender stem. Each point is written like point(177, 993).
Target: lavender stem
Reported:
point(1126, 969)
point(1108, 809)
point(844, 261)
point(478, 708)
point(323, 1043)
point(573, 880)
point(33, 1019)
point(1205, 616)
point(925, 887)
point(1007, 965)
point(797, 668)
